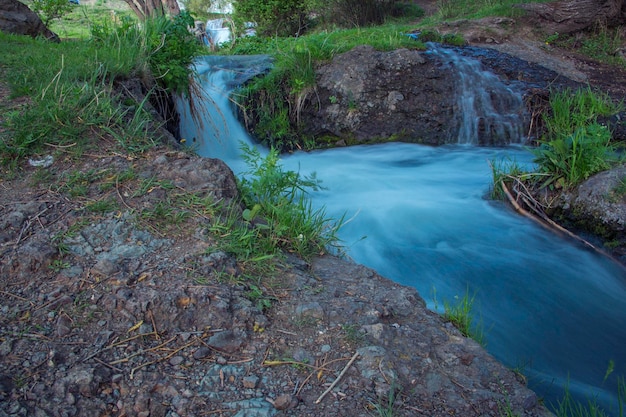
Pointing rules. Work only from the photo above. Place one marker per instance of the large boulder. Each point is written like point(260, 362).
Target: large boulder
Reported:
point(17, 18)
point(370, 96)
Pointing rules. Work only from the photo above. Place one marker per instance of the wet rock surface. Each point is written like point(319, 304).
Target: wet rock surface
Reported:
point(120, 314)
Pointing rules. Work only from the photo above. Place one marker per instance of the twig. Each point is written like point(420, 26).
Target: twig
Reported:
point(336, 381)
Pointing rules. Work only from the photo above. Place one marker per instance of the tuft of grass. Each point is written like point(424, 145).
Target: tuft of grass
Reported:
point(460, 314)
point(575, 145)
point(386, 407)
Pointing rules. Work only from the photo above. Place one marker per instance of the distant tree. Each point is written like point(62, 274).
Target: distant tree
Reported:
point(147, 8)
point(570, 16)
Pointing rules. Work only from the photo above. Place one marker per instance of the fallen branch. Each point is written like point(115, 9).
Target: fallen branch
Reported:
point(545, 221)
point(336, 381)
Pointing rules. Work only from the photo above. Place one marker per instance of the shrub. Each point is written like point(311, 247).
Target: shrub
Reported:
point(572, 159)
point(274, 17)
point(48, 10)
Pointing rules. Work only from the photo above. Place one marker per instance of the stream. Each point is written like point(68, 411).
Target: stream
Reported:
point(422, 217)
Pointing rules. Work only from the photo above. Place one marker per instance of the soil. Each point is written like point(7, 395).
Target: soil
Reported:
point(135, 312)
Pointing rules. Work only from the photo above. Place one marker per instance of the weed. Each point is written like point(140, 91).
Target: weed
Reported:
point(504, 170)
point(385, 407)
point(59, 239)
point(353, 334)
point(568, 161)
point(460, 315)
point(58, 265)
point(148, 185)
point(102, 206)
point(259, 298)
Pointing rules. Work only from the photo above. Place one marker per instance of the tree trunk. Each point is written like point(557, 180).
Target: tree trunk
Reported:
point(147, 8)
point(574, 15)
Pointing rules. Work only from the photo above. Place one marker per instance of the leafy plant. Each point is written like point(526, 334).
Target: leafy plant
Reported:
point(570, 160)
point(49, 10)
point(277, 216)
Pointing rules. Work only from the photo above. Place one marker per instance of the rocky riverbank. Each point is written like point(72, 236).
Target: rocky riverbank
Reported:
point(117, 313)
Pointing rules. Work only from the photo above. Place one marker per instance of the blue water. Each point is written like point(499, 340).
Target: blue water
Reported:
point(421, 217)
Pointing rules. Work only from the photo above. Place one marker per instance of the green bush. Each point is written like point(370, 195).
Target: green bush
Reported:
point(49, 10)
point(278, 213)
point(572, 159)
point(274, 17)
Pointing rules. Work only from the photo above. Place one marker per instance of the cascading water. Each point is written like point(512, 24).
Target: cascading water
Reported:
point(217, 33)
point(487, 109)
point(548, 307)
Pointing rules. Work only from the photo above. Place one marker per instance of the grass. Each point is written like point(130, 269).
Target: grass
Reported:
point(469, 9)
point(575, 146)
point(569, 407)
point(460, 314)
point(386, 407)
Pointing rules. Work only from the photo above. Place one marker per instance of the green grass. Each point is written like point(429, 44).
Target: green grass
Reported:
point(474, 9)
point(575, 146)
point(460, 314)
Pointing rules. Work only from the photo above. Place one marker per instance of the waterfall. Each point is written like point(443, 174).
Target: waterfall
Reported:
point(215, 131)
point(217, 33)
point(486, 108)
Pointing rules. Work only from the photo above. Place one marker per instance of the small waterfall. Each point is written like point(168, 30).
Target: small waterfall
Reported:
point(214, 131)
point(217, 33)
point(488, 112)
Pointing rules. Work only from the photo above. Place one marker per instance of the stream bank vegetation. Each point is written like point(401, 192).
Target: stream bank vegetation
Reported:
point(72, 90)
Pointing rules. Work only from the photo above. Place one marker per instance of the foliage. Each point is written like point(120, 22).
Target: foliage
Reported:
point(172, 48)
point(571, 160)
point(601, 43)
point(164, 44)
point(571, 110)
point(278, 214)
point(447, 39)
point(575, 145)
point(504, 170)
point(71, 85)
point(569, 407)
point(387, 407)
point(476, 9)
point(274, 17)
point(49, 10)
point(363, 13)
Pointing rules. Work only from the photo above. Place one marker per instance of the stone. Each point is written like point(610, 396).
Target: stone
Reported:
point(18, 19)
point(283, 402)
point(250, 382)
point(225, 341)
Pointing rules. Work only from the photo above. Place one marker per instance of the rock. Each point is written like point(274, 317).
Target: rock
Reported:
point(368, 96)
point(17, 18)
point(225, 341)
point(250, 382)
point(283, 402)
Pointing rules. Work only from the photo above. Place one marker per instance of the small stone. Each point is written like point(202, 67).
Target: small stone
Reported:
point(176, 360)
point(325, 348)
point(250, 382)
point(313, 310)
point(104, 267)
point(225, 341)
point(283, 402)
point(201, 353)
